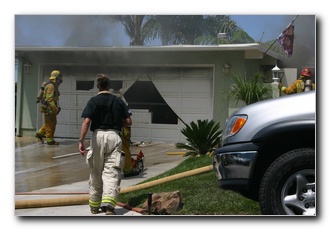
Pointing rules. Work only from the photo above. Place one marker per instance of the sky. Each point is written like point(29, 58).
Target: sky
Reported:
point(254, 28)
point(81, 30)
point(265, 27)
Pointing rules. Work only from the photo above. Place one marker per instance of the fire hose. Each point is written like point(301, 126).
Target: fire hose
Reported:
point(83, 199)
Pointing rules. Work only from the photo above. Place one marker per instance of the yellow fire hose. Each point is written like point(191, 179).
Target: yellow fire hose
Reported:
point(78, 200)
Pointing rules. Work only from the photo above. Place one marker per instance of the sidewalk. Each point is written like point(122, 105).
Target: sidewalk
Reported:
point(82, 187)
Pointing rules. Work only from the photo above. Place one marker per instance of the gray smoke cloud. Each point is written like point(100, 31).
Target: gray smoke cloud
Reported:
point(66, 30)
point(93, 31)
point(304, 44)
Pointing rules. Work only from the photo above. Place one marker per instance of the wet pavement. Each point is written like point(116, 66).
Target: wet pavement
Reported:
point(37, 165)
point(49, 172)
point(40, 166)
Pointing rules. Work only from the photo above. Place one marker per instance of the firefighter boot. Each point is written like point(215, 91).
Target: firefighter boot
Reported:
point(94, 210)
point(39, 137)
point(108, 210)
point(52, 143)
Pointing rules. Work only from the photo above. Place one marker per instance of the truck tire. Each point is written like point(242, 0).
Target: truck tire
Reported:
point(288, 186)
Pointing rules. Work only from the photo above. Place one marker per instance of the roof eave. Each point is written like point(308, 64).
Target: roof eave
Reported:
point(177, 48)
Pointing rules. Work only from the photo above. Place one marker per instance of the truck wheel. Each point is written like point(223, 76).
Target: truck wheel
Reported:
point(288, 186)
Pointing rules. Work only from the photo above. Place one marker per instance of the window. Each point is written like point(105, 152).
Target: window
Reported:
point(84, 85)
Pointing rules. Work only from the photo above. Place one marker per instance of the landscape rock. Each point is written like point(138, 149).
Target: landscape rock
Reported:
point(165, 203)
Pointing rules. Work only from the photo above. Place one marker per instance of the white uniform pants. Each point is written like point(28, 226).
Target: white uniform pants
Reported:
point(106, 162)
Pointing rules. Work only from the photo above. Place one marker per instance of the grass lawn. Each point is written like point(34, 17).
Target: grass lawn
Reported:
point(200, 193)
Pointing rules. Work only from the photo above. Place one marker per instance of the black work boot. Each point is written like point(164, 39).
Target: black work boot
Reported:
point(94, 210)
point(52, 143)
point(39, 137)
point(108, 210)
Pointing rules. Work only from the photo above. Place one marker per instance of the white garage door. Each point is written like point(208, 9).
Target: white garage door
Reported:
point(187, 91)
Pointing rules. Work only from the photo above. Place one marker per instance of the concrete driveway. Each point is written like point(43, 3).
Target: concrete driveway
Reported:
point(47, 172)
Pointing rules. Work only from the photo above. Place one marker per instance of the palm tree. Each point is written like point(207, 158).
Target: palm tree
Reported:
point(140, 28)
point(180, 29)
point(216, 25)
point(175, 29)
point(221, 24)
point(241, 37)
point(248, 90)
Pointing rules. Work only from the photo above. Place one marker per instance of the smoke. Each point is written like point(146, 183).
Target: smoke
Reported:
point(98, 31)
point(93, 32)
point(304, 44)
point(66, 30)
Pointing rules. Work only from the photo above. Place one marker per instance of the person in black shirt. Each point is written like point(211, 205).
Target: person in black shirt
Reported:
point(105, 115)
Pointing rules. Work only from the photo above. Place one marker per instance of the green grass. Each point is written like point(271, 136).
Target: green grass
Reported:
point(200, 193)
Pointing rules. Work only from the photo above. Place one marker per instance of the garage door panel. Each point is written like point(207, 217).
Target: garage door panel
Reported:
point(82, 99)
point(174, 102)
point(141, 116)
point(65, 100)
point(196, 87)
point(68, 85)
point(64, 130)
point(168, 87)
point(197, 73)
point(189, 117)
point(161, 73)
point(64, 116)
point(165, 132)
point(196, 104)
point(140, 133)
point(76, 115)
point(76, 128)
point(70, 130)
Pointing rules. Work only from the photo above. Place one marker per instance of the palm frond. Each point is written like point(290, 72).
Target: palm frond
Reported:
point(202, 137)
point(248, 90)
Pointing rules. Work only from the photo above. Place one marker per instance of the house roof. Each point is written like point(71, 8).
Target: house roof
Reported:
point(177, 48)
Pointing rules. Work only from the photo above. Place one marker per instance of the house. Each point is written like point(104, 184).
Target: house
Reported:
point(165, 86)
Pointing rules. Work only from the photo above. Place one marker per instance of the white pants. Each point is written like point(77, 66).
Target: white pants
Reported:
point(106, 162)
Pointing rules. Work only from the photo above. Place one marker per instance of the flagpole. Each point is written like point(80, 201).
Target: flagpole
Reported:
point(280, 34)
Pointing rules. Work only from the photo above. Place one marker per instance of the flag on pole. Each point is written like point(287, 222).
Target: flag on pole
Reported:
point(286, 39)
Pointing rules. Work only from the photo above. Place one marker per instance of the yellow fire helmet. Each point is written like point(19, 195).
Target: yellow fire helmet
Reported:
point(54, 74)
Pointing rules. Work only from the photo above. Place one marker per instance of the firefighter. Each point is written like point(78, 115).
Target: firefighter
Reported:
point(50, 108)
point(105, 115)
point(302, 84)
point(126, 139)
point(125, 135)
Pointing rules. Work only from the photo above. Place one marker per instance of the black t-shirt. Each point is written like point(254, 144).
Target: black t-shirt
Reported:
point(106, 112)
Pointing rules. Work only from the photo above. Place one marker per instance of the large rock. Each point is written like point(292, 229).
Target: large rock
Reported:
point(164, 203)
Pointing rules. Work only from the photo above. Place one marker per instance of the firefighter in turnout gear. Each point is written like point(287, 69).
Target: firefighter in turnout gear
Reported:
point(49, 97)
point(105, 115)
point(126, 139)
point(302, 84)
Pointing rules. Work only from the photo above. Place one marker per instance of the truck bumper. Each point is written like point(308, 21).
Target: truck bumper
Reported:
point(233, 165)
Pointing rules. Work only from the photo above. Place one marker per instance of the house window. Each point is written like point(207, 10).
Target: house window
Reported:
point(84, 85)
point(116, 85)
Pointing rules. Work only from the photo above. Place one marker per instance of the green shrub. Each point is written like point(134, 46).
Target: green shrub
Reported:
point(202, 137)
point(248, 90)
